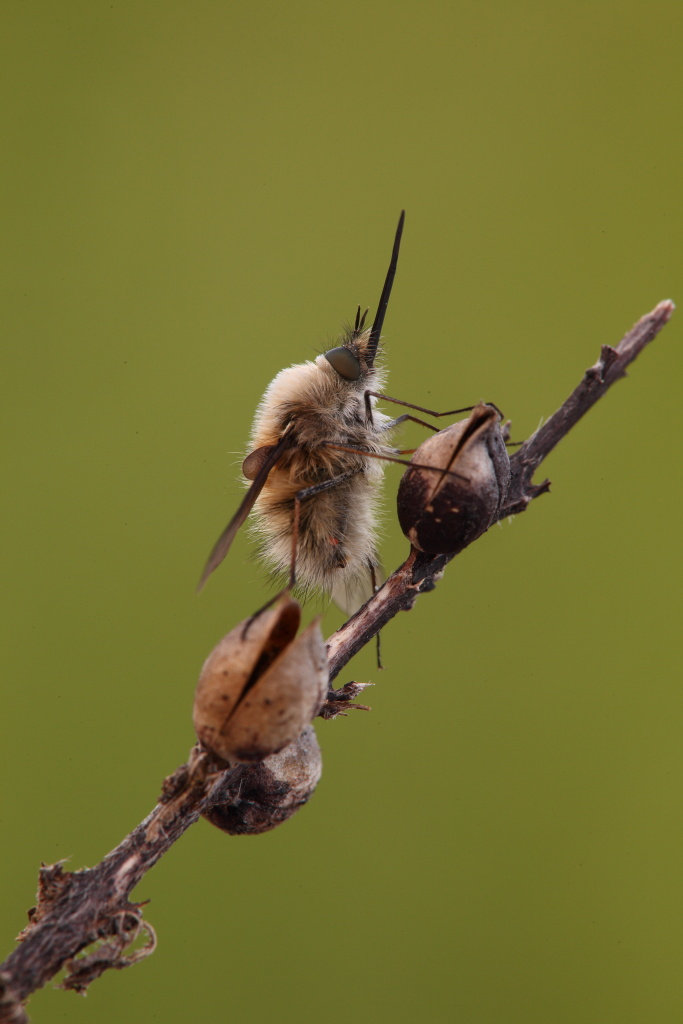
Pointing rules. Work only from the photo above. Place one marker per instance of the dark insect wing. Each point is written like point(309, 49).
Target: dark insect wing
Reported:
point(222, 545)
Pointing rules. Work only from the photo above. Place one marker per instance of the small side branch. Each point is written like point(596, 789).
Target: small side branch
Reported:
point(610, 367)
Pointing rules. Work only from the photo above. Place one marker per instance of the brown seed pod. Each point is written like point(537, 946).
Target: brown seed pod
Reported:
point(255, 798)
point(441, 513)
point(261, 685)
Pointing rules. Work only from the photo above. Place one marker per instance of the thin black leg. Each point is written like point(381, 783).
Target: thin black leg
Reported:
point(408, 405)
point(373, 580)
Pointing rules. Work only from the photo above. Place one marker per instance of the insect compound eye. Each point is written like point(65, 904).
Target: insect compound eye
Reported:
point(344, 362)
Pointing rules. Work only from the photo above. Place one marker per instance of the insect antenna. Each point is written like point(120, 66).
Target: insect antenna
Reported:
point(360, 322)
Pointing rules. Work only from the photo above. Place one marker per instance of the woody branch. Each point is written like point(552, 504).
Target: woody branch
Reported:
point(75, 910)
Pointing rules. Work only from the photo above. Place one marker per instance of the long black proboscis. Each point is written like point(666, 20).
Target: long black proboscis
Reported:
point(384, 297)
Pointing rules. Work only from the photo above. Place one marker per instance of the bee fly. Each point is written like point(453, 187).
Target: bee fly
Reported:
point(317, 453)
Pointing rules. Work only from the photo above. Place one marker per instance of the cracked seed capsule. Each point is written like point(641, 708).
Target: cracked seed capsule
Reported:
point(261, 685)
point(255, 798)
point(441, 513)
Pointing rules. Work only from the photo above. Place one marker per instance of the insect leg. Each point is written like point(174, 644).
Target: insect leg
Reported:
point(430, 426)
point(373, 580)
point(307, 492)
point(388, 458)
point(402, 419)
point(310, 492)
point(408, 405)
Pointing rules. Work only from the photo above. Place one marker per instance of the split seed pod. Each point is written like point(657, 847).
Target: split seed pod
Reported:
point(255, 798)
point(441, 513)
point(261, 686)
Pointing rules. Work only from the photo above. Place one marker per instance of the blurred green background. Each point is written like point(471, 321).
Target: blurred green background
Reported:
point(199, 194)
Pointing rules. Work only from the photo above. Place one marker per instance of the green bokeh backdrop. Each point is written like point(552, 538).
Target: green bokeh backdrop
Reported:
point(199, 194)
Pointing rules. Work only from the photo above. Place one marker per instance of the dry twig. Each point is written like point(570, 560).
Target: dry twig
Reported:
point(91, 908)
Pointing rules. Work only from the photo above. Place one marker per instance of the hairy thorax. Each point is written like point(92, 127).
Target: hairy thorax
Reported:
point(318, 411)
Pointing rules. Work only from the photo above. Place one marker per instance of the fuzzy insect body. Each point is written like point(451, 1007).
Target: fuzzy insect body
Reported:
point(318, 445)
point(337, 536)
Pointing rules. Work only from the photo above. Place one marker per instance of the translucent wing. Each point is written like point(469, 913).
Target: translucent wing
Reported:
point(222, 545)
